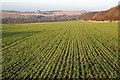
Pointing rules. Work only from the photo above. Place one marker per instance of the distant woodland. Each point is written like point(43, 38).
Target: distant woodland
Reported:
point(108, 15)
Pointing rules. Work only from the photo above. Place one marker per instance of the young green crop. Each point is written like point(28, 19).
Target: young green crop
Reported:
point(70, 49)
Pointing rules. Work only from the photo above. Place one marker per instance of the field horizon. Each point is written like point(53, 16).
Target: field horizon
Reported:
point(59, 40)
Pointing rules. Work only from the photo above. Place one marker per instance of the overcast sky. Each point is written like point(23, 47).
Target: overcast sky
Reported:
point(67, 5)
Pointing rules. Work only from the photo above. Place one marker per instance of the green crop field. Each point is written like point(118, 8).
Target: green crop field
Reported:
point(70, 49)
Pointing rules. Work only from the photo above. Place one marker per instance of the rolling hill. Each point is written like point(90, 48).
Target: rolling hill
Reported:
point(108, 15)
point(10, 17)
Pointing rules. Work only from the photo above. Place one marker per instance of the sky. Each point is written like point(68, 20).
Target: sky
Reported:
point(66, 5)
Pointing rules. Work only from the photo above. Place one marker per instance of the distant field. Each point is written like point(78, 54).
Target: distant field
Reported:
point(60, 50)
